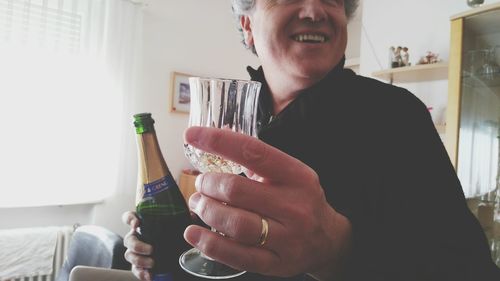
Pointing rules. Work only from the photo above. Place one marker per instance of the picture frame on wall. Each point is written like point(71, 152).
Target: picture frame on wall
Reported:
point(180, 94)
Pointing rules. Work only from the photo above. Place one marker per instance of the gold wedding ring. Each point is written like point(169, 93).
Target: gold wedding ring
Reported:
point(264, 232)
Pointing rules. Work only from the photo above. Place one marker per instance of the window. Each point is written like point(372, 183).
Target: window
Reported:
point(60, 105)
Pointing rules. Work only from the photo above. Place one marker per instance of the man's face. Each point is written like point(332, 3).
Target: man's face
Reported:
point(301, 38)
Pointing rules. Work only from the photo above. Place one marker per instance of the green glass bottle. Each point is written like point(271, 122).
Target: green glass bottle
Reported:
point(160, 206)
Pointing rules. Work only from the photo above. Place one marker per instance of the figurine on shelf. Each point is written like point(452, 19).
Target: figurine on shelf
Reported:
point(429, 58)
point(399, 56)
point(405, 57)
point(392, 57)
point(395, 55)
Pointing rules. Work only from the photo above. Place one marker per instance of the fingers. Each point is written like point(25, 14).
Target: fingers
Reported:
point(141, 273)
point(135, 245)
point(229, 252)
point(130, 218)
point(242, 192)
point(130, 241)
point(140, 264)
point(237, 224)
point(250, 152)
point(137, 251)
point(139, 260)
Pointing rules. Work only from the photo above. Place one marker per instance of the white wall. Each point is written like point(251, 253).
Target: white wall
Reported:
point(45, 216)
point(354, 34)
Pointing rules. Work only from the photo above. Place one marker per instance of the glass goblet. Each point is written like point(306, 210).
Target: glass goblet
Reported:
point(225, 104)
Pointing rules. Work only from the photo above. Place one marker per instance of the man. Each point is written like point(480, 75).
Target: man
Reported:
point(349, 180)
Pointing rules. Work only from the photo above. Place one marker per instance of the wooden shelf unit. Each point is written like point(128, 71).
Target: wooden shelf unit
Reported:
point(416, 73)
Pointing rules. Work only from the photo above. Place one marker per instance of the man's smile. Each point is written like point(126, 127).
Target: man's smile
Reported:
point(310, 38)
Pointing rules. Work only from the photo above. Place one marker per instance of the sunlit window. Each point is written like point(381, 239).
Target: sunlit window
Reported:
point(59, 109)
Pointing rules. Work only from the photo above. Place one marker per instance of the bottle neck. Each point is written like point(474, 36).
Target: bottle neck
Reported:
point(152, 165)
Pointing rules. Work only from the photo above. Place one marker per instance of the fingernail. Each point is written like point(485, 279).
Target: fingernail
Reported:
point(198, 182)
point(192, 236)
point(193, 200)
point(192, 136)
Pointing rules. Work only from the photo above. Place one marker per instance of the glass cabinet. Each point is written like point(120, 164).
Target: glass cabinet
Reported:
point(473, 114)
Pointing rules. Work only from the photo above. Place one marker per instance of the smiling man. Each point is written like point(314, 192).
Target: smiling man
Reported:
point(348, 180)
point(298, 43)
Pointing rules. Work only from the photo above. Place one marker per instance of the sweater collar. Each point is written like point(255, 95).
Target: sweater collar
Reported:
point(258, 74)
point(265, 113)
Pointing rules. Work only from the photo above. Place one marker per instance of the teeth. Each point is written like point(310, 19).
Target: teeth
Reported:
point(310, 38)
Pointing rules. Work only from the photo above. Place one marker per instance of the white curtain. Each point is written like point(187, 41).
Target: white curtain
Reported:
point(478, 149)
point(67, 70)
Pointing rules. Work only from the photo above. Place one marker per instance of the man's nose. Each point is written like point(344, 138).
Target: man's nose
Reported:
point(312, 10)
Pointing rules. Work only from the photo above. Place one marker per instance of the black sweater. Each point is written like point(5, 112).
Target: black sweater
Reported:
point(382, 165)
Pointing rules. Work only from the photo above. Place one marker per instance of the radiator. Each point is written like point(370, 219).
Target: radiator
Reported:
point(64, 235)
point(62, 246)
point(36, 278)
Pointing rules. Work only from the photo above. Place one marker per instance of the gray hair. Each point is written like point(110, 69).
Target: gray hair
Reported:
point(243, 7)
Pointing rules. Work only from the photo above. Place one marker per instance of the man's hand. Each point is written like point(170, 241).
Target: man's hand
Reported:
point(305, 233)
point(138, 253)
